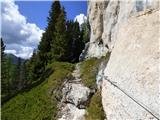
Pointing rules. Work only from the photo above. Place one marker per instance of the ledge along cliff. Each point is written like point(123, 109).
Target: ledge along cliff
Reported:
point(130, 30)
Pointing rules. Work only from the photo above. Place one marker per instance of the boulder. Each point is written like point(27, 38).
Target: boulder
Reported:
point(76, 94)
point(71, 112)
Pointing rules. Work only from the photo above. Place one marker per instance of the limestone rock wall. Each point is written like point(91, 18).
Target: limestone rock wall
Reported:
point(106, 17)
point(130, 30)
point(133, 70)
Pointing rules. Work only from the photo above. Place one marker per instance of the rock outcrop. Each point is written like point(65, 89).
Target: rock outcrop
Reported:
point(106, 17)
point(130, 31)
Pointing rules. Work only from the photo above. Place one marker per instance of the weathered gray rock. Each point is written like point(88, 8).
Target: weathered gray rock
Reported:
point(106, 17)
point(71, 112)
point(133, 68)
point(130, 30)
point(76, 94)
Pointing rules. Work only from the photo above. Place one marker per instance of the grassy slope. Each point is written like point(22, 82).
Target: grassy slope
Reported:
point(37, 103)
point(95, 109)
point(89, 70)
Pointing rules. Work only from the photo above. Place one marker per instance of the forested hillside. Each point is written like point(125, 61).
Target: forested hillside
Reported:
point(63, 40)
point(13, 74)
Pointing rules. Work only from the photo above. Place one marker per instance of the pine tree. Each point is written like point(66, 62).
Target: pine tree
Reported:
point(48, 37)
point(25, 74)
point(22, 76)
point(70, 32)
point(8, 80)
point(18, 74)
point(77, 42)
point(85, 31)
point(53, 15)
point(13, 73)
point(60, 43)
point(8, 73)
point(2, 49)
point(3, 70)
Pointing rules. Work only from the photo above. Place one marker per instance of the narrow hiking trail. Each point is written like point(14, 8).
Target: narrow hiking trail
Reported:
point(75, 98)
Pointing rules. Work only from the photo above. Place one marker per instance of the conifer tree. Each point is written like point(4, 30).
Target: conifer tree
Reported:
point(8, 80)
point(48, 36)
point(85, 31)
point(3, 70)
point(2, 49)
point(75, 40)
point(78, 41)
point(70, 32)
point(34, 68)
point(60, 43)
point(22, 75)
point(18, 79)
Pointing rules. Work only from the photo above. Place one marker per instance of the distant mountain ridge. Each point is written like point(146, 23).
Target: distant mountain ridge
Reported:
point(13, 58)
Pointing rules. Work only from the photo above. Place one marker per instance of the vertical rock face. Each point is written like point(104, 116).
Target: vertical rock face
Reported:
point(106, 17)
point(130, 89)
point(130, 31)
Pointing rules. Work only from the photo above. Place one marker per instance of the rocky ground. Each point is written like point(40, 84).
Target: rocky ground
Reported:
point(75, 98)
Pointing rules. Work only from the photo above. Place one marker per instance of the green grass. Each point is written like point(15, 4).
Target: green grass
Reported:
point(89, 70)
point(95, 108)
point(41, 104)
point(38, 104)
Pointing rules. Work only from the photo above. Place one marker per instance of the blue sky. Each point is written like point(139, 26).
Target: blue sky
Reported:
point(23, 23)
point(37, 12)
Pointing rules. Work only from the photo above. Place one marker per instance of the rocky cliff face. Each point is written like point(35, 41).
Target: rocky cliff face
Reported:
point(130, 89)
point(106, 17)
point(130, 31)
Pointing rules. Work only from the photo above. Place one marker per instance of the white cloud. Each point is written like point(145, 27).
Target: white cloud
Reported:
point(10, 51)
point(20, 37)
point(81, 18)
